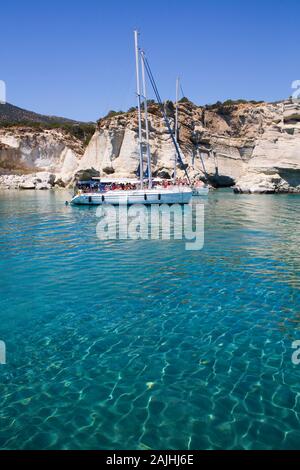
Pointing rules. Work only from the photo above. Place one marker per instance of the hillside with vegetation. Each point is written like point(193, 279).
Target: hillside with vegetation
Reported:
point(12, 116)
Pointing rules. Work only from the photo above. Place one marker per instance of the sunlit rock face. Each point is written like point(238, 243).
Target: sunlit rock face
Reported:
point(24, 151)
point(114, 148)
point(275, 162)
point(254, 146)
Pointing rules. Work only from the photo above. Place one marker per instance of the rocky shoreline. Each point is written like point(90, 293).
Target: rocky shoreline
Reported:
point(252, 147)
point(38, 181)
point(256, 184)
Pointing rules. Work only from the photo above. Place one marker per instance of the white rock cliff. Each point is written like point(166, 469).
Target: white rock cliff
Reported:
point(254, 146)
point(37, 158)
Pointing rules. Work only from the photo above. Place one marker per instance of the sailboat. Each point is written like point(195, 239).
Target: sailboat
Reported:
point(145, 191)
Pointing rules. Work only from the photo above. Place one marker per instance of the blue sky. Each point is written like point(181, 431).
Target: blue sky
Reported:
point(76, 58)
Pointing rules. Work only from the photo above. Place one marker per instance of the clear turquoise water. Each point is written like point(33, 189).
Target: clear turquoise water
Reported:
point(135, 345)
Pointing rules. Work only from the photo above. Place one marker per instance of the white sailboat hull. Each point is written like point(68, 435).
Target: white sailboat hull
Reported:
point(138, 196)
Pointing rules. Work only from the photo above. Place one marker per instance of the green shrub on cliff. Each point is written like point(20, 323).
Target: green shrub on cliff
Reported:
point(226, 105)
point(113, 113)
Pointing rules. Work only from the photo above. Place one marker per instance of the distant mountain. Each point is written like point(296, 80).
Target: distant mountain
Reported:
point(10, 114)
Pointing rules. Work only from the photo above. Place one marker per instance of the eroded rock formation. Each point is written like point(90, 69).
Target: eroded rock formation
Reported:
point(28, 156)
point(254, 146)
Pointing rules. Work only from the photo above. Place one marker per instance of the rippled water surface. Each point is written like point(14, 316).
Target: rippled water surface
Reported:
point(142, 344)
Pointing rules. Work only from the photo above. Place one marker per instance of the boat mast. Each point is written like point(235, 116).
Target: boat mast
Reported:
point(165, 117)
point(138, 93)
point(176, 127)
point(146, 120)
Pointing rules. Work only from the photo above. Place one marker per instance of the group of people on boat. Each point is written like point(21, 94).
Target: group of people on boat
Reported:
point(95, 187)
